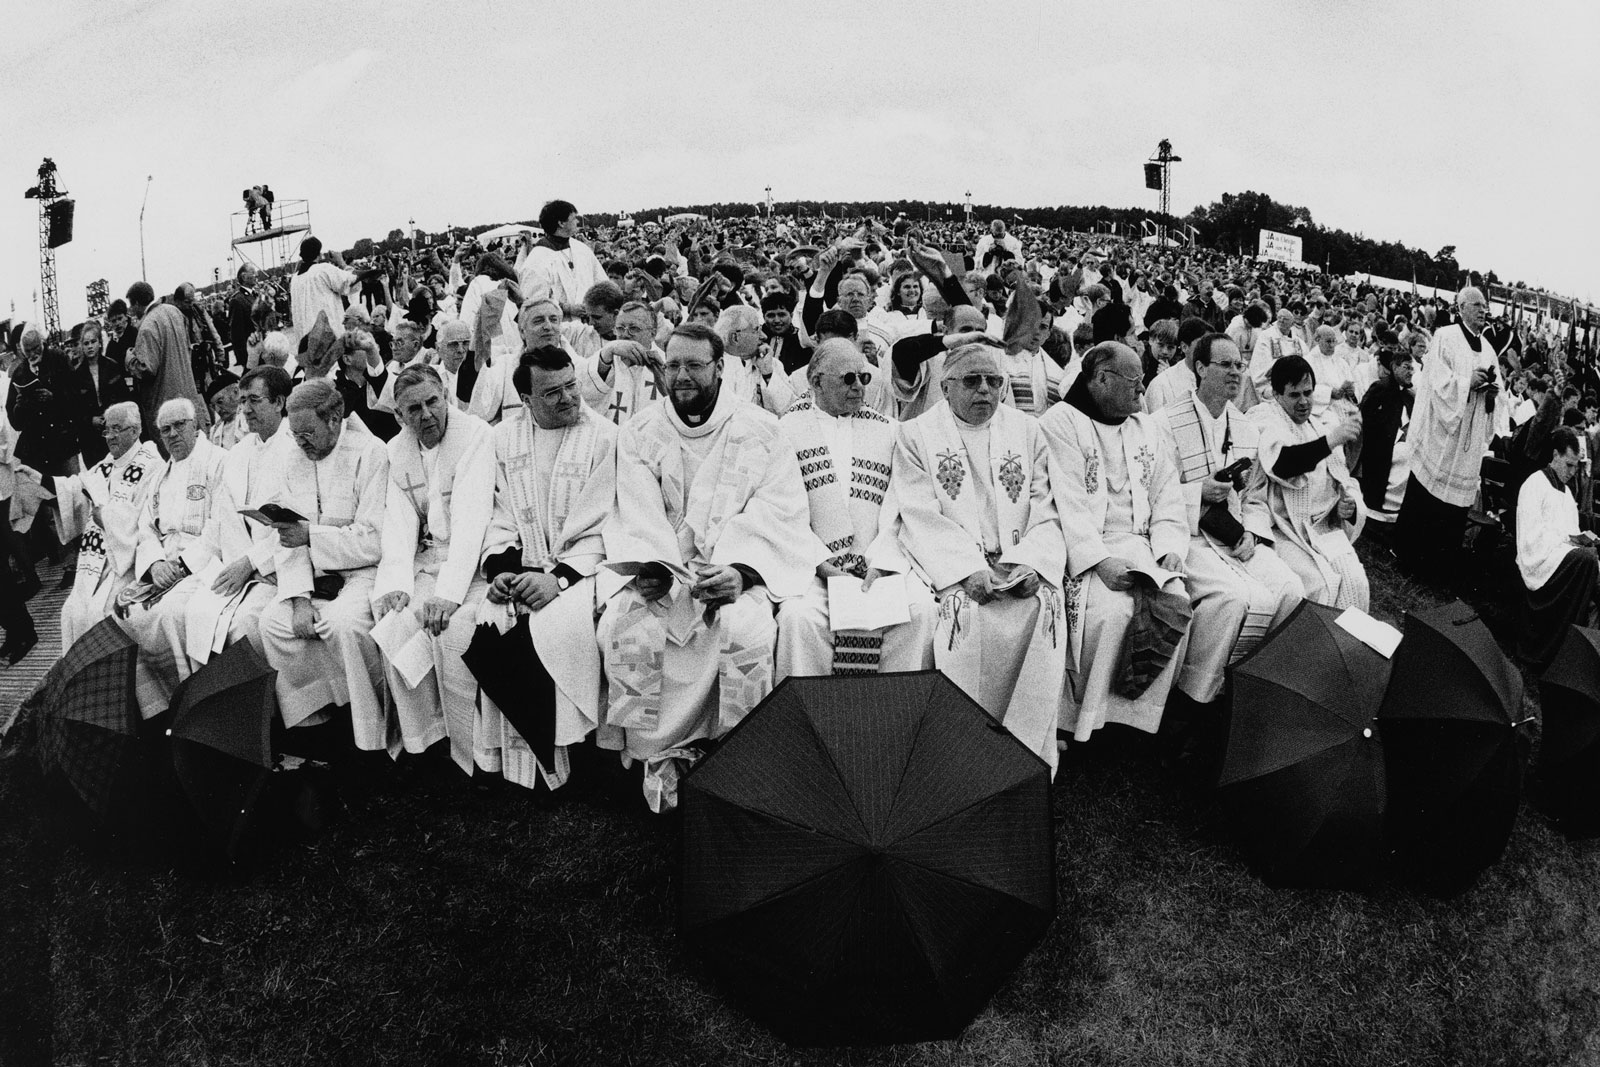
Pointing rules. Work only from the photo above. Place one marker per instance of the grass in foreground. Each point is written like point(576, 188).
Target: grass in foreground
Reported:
point(438, 923)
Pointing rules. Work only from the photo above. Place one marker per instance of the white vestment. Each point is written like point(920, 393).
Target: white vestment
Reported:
point(103, 503)
point(742, 378)
point(562, 275)
point(972, 498)
point(1173, 383)
point(1236, 603)
point(321, 287)
point(1034, 383)
point(1450, 426)
point(1271, 346)
point(1118, 494)
point(439, 504)
point(181, 502)
point(725, 492)
point(846, 464)
point(623, 393)
point(1308, 534)
point(554, 490)
point(342, 496)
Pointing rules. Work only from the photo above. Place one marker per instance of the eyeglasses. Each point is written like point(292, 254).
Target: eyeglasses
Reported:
point(1132, 379)
point(1226, 364)
point(852, 377)
point(255, 398)
point(978, 381)
point(551, 395)
point(174, 427)
point(696, 366)
point(112, 431)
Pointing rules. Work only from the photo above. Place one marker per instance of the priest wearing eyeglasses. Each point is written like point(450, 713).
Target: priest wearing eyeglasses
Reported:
point(982, 529)
point(846, 455)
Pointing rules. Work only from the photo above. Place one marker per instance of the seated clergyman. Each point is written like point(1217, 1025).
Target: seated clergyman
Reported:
point(1557, 562)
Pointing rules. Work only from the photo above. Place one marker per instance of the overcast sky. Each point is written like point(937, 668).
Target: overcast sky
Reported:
point(1431, 123)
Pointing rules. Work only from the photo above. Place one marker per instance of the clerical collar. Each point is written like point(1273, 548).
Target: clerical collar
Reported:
point(558, 243)
point(1560, 487)
point(1080, 397)
point(1474, 340)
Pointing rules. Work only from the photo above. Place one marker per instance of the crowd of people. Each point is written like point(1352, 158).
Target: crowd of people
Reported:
point(507, 500)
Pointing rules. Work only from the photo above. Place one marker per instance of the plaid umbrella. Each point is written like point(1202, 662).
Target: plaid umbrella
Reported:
point(220, 741)
point(866, 858)
point(1453, 750)
point(1569, 749)
point(1303, 776)
point(89, 721)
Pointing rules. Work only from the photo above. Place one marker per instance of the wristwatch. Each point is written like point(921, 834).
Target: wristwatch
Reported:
point(562, 583)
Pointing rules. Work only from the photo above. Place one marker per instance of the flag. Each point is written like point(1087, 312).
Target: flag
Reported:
point(1017, 217)
point(1147, 226)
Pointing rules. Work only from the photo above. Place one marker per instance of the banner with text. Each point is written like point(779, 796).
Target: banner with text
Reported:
point(1280, 246)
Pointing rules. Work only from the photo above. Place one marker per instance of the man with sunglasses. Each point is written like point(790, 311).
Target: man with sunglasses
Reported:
point(973, 483)
point(1127, 532)
point(186, 492)
point(710, 527)
point(846, 454)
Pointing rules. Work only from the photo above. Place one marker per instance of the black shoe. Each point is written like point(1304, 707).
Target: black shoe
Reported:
point(17, 647)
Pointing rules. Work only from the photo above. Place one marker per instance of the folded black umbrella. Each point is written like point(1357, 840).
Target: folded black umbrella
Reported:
point(1569, 746)
point(1303, 777)
point(510, 673)
point(220, 742)
point(1453, 749)
point(866, 858)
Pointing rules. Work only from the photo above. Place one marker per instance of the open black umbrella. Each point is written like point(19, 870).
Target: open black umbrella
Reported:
point(1452, 748)
point(89, 724)
point(866, 858)
point(1302, 778)
point(1569, 747)
point(220, 741)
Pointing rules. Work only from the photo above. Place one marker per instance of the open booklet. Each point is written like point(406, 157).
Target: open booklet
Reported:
point(1159, 575)
point(852, 608)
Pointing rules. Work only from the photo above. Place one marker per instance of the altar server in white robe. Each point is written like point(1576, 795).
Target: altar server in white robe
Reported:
point(1316, 506)
point(1239, 587)
point(973, 487)
point(440, 499)
point(103, 504)
point(624, 376)
point(186, 491)
point(319, 640)
point(558, 266)
point(710, 527)
point(1121, 508)
point(846, 456)
point(555, 482)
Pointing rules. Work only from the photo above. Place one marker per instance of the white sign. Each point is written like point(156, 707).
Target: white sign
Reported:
point(1280, 246)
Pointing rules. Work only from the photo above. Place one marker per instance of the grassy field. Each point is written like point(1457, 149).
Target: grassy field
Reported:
point(442, 923)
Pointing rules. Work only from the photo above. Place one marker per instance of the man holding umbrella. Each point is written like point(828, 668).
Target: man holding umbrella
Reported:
point(555, 479)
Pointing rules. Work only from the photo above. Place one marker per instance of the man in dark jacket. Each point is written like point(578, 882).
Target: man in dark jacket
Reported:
point(1385, 411)
point(241, 311)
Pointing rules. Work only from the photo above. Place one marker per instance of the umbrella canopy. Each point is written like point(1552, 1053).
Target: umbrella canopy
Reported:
point(866, 858)
point(1452, 748)
point(220, 741)
point(89, 722)
point(1569, 749)
point(510, 229)
point(1303, 777)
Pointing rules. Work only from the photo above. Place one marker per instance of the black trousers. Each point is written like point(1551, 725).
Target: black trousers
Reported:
point(1428, 535)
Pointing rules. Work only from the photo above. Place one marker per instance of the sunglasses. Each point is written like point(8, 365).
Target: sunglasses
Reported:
point(852, 377)
point(977, 381)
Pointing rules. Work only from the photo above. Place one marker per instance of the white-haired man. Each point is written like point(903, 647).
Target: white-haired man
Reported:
point(624, 376)
point(979, 522)
point(749, 368)
point(440, 499)
point(318, 631)
point(187, 490)
point(104, 504)
point(846, 456)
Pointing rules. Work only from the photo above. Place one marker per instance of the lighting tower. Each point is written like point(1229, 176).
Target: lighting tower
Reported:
point(1166, 159)
point(48, 194)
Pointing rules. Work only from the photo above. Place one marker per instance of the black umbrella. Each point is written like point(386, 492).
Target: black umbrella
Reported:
point(1452, 748)
point(89, 724)
point(511, 674)
point(867, 858)
point(1302, 778)
point(221, 741)
point(1569, 748)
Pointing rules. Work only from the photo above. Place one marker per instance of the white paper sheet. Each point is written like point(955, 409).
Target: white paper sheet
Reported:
point(401, 639)
point(885, 604)
point(1375, 634)
point(202, 614)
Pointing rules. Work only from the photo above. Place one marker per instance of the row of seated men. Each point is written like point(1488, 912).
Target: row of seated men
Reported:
point(1067, 569)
